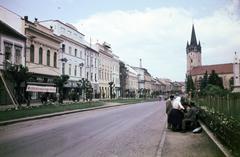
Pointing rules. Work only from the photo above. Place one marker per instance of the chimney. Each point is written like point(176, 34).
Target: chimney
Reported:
point(140, 63)
point(26, 18)
point(36, 20)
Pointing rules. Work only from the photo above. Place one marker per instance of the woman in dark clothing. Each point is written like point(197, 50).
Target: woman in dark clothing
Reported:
point(176, 115)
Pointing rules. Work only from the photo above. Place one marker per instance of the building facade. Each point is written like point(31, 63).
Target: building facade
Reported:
point(73, 52)
point(42, 55)
point(116, 75)
point(108, 70)
point(131, 82)
point(12, 52)
point(91, 72)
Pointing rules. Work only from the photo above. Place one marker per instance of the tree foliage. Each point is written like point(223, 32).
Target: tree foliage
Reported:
point(111, 85)
point(60, 81)
point(18, 74)
point(86, 89)
point(214, 79)
point(204, 82)
point(189, 84)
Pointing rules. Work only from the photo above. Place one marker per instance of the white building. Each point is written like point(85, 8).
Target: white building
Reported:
point(236, 72)
point(91, 72)
point(131, 81)
point(116, 75)
point(12, 38)
point(78, 58)
point(108, 70)
point(12, 47)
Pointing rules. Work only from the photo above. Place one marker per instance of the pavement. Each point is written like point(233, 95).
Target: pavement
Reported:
point(189, 145)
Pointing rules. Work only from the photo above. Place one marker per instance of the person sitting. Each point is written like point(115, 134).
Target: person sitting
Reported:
point(190, 117)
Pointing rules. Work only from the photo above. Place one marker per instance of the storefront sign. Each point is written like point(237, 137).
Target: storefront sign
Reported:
point(44, 89)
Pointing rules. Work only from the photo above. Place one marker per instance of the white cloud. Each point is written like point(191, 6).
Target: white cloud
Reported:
point(159, 37)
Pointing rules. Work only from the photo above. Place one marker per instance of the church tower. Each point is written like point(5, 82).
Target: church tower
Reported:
point(193, 50)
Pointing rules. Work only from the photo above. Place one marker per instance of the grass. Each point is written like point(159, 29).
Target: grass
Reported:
point(54, 108)
point(45, 109)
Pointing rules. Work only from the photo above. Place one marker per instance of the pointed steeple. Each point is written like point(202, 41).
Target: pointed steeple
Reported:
point(193, 37)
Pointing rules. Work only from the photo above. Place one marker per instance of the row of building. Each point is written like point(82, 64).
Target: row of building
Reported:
point(52, 48)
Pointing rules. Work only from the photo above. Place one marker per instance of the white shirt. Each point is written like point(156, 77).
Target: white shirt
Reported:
point(177, 104)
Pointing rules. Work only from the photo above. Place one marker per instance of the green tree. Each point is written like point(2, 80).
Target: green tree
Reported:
point(86, 89)
point(189, 84)
point(111, 85)
point(123, 78)
point(60, 81)
point(214, 79)
point(231, 83)
point(18, 74)
point(204, 82)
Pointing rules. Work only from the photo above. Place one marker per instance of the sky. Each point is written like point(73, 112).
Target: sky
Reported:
point(155, 30)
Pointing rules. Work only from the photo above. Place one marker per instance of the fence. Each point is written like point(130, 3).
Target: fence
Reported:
point(222, 115)
point(228, 105)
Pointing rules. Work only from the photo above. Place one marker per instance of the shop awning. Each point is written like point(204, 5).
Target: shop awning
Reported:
point(44, 89)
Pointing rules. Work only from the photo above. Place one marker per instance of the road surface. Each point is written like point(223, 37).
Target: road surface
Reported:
point(124, 131)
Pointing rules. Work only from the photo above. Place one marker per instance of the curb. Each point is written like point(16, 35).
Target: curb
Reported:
point(56, 114)
point(162, 141)
point(222, 148)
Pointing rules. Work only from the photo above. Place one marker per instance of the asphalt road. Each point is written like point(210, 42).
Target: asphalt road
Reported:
point(132, 130)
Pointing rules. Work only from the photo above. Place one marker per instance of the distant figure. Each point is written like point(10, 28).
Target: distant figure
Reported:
point(190, 117)
point(168, 110)
point(44, 98)
point(176, 115)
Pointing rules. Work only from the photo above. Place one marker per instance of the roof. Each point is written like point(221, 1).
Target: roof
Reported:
point(66, 24)
point(5, 28)
point(219, 69)
point(193, 37)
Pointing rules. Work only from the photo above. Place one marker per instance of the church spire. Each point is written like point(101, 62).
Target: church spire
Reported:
point(193, 37)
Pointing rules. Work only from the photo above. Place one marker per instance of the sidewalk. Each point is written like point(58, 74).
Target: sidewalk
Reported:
point(189, 145)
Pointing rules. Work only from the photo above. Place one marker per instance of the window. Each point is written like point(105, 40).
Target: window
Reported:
point(75, 71)
point(91, 61)
point(80, 54)
point(87, 61)
point(80, 71)
point(62, 30)
point(63, 68)
point(75, 52)
point(48, 57)
point(18, 55)
point(40, 55)
point(70, 50)
point(95, 62)
point(91, 76)
point(8, 51)
point(70, 69)
point(63, 47)
point(95, 77)
point(87, 75)
point(55, 60)
point(32, 53)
